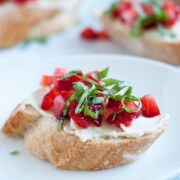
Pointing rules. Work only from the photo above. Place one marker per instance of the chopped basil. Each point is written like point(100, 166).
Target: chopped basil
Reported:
point(129, 91)
point(110, 81)
point(72, 73)
point(134, 99)
point(95, 100)
point(60, 124)
point(89, 80)
point(136, 33)
point(15, 152)
point(83, 99)
point(96, 93)
point(68, 102)
point(39, 40)
point(119, 86)
point(102, 74)
point(145, 21)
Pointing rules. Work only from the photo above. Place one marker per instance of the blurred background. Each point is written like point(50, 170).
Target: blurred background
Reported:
point(64, 43)
point(68, 41)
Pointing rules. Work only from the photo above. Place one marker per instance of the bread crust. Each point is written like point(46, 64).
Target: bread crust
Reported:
point(152, 47)
point(67, 151)
point(24, 22)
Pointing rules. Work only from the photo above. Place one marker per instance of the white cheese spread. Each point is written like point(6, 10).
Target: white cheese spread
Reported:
point(139, 127)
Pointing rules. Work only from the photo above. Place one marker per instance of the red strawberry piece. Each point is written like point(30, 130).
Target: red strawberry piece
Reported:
point(46, 80)
point(148, 9)
point(90, 76)
point(59, 104)
point(125, 117)
point(111, 107)
point(80, 119)
point(149, 106)
point(127, 14)
point(2, 1)
point(66, 84)
point(58, 74)
point(96, 107)
point(66, 94)
point(89, 34)
point(48, 100)
point(20, 2)
point(103, 35)
point(172, 11)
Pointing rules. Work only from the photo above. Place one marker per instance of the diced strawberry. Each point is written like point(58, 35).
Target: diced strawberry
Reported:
point(89, 34)
point(148, 9)
point(96, 107)
point(127, 13)
point(66, 94)
point(59, 104)
point(149, 106)
point(48, 100)
point(2, 1)
point(82, 120)
point(58, 74)
point(111, 108)
point(20, 2)
point(97, 122)
point(46, 80)
point(66, 84)
point(103, 35)
point(90, 76)
point(172, 11)
point(125, 117)
point(79, 119)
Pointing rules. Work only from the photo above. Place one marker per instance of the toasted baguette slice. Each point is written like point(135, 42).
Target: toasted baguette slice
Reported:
point(149, 45)
point(67, 151)
point(32, 22)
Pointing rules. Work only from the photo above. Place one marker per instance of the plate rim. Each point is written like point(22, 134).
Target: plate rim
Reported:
point(143, 60)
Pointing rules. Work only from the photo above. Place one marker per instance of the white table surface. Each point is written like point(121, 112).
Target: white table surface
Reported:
point(63, 44)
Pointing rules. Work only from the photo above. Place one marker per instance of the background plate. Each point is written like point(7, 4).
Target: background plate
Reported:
point(162, 160)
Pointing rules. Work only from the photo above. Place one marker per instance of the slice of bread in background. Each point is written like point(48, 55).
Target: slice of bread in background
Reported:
point(19, 23)
point(67, 151)
point(146, 45)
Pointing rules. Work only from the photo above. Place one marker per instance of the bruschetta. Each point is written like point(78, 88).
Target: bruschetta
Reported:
point(86, 121)
point(22, 20)
point(148, 28)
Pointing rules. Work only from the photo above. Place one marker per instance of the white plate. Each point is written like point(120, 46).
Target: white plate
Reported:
point(161, 160)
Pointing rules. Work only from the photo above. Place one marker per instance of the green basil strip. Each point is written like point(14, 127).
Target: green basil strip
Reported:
point(72, 73)
point(60, 124)
point(116, 97)
point(15, 152)
point(89, 80)
point(96, 100)
point(79, 87)
point(119, 86)
point(129, 91)
point(68, 102)
point(82, 99)
point(102, 74)
point(131, 98)
point(110, 81)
